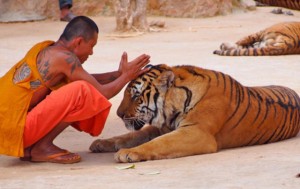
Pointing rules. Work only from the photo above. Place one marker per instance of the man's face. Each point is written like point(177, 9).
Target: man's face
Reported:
point(85, 48)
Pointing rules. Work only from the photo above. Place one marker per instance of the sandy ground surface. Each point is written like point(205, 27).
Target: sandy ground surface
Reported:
point(183, 41)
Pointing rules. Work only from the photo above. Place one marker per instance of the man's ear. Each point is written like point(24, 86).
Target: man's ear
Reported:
point(77, 41)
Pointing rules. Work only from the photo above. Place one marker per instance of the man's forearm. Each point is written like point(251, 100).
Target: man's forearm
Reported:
point(108, 77)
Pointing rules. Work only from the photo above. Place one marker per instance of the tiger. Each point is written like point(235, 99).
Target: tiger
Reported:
point(186, 110)
point(290, 4)
point(279, 39)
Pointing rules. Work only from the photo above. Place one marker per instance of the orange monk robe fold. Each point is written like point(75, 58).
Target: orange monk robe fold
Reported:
point(77, 102)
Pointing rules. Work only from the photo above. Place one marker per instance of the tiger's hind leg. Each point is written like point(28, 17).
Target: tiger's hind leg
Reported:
point(270, 44)
point(229, 49)
point(240, 47)
point(182, 142)
point(128, 140)
point(224, 47)
point(228, 46)
point(272, 50)
point(274, 44)
point(250, 40)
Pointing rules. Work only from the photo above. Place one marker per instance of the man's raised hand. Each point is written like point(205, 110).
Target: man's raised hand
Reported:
point(135, 67)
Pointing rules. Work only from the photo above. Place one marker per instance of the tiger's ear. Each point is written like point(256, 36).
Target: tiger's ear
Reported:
point(165, 80)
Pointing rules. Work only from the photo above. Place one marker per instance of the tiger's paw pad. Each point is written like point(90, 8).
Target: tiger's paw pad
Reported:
point(127, 156)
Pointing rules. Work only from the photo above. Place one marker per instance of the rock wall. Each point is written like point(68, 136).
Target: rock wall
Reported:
point(192, 8)
point(28, 10)
point(22, 10)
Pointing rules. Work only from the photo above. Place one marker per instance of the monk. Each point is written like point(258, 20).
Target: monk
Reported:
point(49, 90)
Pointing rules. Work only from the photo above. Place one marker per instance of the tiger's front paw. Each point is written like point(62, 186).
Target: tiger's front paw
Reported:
point(99, 146)
point(128, 156)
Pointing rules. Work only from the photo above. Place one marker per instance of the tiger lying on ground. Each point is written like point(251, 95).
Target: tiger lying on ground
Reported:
point(279, 39)
point(185, 110)
point(290, 4)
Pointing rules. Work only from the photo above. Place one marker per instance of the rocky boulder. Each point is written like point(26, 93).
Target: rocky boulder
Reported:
point(28, 10)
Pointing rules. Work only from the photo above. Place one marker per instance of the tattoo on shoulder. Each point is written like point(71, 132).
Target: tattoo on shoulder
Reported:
point(44, 63)
point(43, 66)
point(73, 61)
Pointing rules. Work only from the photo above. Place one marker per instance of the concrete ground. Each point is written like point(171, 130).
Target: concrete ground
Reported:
point(183, 41)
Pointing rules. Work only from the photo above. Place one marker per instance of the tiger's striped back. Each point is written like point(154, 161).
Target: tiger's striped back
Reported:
point(261, 115)
point(250, 115)
point(279, 39)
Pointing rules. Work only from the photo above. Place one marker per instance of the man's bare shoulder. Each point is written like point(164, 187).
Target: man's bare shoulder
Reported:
point(55, 61)
point(54, 54)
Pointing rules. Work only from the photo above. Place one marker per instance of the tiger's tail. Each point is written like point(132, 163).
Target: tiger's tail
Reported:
point(249, 40)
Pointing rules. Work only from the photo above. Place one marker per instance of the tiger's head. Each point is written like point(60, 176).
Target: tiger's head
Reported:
point(143, 99)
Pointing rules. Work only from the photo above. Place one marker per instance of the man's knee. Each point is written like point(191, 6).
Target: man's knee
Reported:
point(74, 93)
point(83, 91)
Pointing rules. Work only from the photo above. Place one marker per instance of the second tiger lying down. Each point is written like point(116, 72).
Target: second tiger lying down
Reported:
point(185, 110)
point(279, 39)
point(290, 4)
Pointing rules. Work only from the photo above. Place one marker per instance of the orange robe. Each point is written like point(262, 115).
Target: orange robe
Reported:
point(78, 103)
point(15, 99)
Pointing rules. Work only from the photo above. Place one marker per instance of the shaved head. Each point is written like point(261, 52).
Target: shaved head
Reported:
point(80, 26)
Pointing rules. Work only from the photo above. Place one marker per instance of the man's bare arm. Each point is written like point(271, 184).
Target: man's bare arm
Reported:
point(104, 78)
point(128, 71)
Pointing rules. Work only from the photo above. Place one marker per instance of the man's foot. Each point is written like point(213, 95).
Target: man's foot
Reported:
point(64, 157)
point(53, 154)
